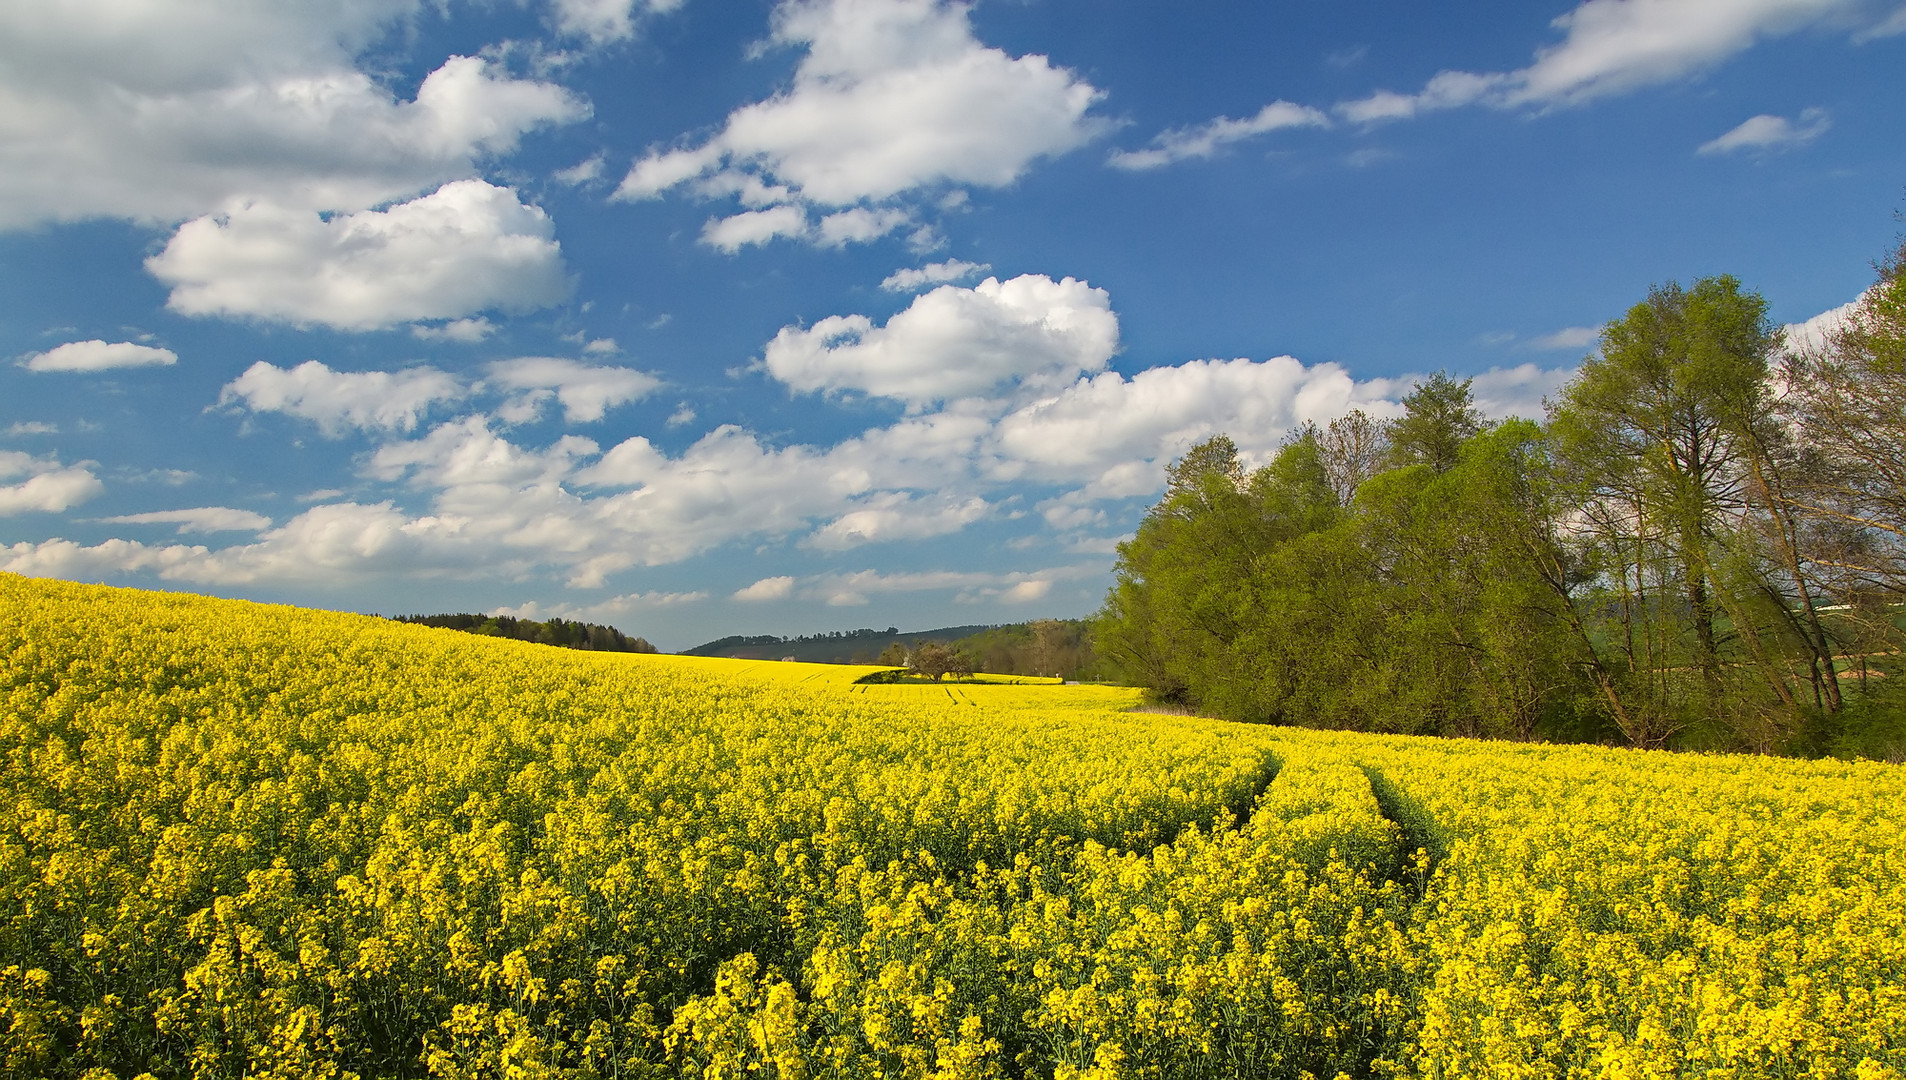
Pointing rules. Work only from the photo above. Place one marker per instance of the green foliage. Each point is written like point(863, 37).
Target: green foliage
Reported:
point(1421, 608)
point(1060, 648)
point(563, 632)
point(863, 646)
point(1438, 417)
point(1663, 563)
point(936, 660)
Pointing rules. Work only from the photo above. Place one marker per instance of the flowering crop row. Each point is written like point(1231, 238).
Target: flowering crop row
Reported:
point(256, 841)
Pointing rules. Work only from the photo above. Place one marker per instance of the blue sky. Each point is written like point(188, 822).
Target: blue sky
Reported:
point(701, 318)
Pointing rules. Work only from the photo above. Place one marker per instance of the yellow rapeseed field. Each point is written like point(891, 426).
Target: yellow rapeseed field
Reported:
point(252, 841)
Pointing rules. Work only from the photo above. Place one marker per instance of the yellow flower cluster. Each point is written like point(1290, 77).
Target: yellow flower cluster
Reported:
point(1609, 913)
point(252, 841)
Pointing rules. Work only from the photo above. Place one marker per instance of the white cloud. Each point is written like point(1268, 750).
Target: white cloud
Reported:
point(467, 247)
point(725, 486)
point(1027, 591)
point(1615, 46)
point(1892, 26)
point(168, 109)
point(1113, 435)
point(1765, 133)
point(939, 273)
point(768, 588)
point(853, 589)
point(465, 331)
point(49, 487)
point(465, 458)
point(1517, 391)
point(894, 515)
point(1012, 414)
point(97, 355)
point(1569, 337)
point(1446, 90)
point(954, 342)
point(31, 427)
point(857, 226)
point(333, 544)
point(585, 391)
point(1817, 332)
point(1118, 432)
point(731, 234)
point(201, 519)
point(662, 170)
point(602, 610)
point(582, 172)
point(604, 21)
point(1205, 140)
point(891, 97)
point(336, 400)
point(602, 347)
point(60, 558)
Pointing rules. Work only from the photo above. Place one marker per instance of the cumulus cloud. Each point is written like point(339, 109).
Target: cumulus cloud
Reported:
point(465, 331)
point(61, 558)
point(955, 342)
point(170, 109)
point(1766, 133)
point(731, 234)
point(604, 21)
point(890, 97)
point(49, 487)
point(895, 515)
point(200, 519)
point(725, 486)
point(467, 247)
point(1615, 46)
point(853, 589)
point(1569, 337)
point(499, 510)
point(582, 172)
point(1209, 137)
point(1518, 391)
point(602, 610)
point(1116, 433)
point(332, 544)
point(939, 273)
point(97, 355)
point(857, 226)
point(585, 391)
point(1816, 333)
point(1009, 398)
point(768, 588)
point(1027, 591)
point(338, 400)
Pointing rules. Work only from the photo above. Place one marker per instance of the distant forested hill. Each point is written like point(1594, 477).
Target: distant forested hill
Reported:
point(1042, 647)
point(569, 635)
point(839, 647)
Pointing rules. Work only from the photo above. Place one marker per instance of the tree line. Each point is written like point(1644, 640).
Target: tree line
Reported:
point(1702, 547)
point(1054, 648)
point(562, 632)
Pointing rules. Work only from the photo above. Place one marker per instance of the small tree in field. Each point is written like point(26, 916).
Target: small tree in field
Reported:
point(939, 660)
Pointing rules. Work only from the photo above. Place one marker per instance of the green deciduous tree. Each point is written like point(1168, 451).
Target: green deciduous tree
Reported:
point(1662, 432)
point(1439, 415)
point(1352, 449)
